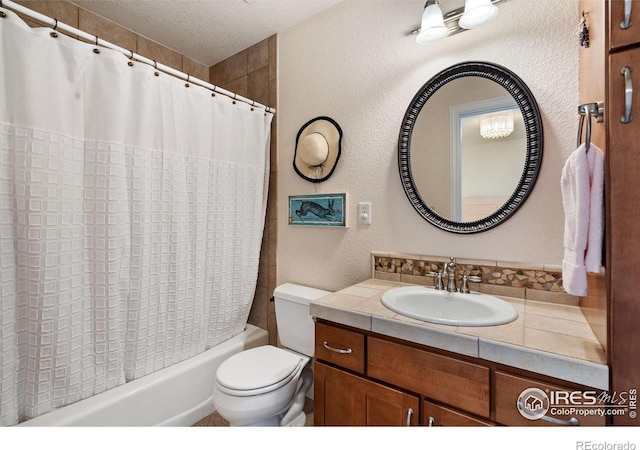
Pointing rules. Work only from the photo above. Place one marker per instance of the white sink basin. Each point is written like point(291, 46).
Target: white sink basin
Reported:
point(449, 308)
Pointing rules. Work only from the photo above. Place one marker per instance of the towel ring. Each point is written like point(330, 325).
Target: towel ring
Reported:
point(590, 110)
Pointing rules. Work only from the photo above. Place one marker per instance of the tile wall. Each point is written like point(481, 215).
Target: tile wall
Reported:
point(86, 21)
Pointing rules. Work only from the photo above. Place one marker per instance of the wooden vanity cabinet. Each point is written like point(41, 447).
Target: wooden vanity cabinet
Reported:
point(623, 34)
point(343, 398)
point(435, 415)
point(366, 379)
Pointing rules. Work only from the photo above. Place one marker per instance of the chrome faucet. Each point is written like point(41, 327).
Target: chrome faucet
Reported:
point(450, 271)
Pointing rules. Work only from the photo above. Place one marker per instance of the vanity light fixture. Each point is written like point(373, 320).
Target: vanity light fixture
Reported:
point(435, 25)
point(432, 27)
point(477, 12)
point(496, 126)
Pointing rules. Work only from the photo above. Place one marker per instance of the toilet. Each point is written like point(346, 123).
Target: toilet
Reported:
point(267, 385)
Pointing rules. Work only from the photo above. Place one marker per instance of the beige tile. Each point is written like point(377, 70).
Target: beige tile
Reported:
point(552, 297)
point(417, 279)
point(377, 284)
point(387, 276)
point(373, 306)
point(379, 254)
point(215, 74)
point(511, 333)
point(108, 30)
point(216, 420)
point(553, 268)
point(258, 57)
point(564, 345)
point(340, 300)
point(273, 57)
point(195, 69)
point(238, 86)
point(360, 291)
point(258, 85)
point(65, 12)
point(503, 291)
point(159, 53)
point(554, 310)
point(232, 68)
point(579, 329)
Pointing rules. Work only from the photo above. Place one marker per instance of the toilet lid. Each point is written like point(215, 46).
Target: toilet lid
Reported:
point(258, 368)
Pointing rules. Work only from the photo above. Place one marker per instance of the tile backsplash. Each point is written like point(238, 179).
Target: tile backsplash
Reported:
point(522, 280)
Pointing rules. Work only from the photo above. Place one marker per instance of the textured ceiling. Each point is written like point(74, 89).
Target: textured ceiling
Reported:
point(207, 31)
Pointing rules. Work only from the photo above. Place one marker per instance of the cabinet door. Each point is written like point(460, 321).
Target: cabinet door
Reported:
point(623, 198)
point(442, 416)
point(621, 32)
point(511, 392)
point(341, 398)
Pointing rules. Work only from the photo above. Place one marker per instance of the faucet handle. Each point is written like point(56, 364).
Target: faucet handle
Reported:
point(438, 276)
point(464, 288)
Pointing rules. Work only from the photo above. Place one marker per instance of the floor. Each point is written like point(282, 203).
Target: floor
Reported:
point(214, 420)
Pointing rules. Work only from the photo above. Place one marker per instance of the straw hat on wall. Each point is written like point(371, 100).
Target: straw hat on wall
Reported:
point(318, 148)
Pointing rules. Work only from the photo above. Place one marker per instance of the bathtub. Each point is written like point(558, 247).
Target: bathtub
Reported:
point(176, 396)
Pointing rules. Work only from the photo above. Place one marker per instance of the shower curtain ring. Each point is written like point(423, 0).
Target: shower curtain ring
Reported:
point(187, 83)
point(253, 104)
point(96, 50)
point(53, 34)
point(234, 98)
point(155, 65)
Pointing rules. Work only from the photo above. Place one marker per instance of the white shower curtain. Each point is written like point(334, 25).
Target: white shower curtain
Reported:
point(131, 218)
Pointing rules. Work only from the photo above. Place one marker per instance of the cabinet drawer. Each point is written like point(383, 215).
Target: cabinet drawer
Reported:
point(509, 390)
point(441, 416)
point(457, 383)
point(344, 348)
point(620, 35)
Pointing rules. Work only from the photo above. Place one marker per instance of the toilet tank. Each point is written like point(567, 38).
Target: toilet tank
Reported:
point(295, 326)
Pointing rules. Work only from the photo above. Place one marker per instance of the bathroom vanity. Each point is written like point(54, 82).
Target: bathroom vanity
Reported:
point(375, 367)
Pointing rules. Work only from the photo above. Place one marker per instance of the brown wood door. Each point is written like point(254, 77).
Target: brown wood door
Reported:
point(623, 197)
point(621, 33)
point(341, 398)
point(511, 389)
point(442, 416)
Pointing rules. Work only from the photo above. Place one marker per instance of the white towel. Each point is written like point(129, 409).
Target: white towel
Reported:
point(582, 196)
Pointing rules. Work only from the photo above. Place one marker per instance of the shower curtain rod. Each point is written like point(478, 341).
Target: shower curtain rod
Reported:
point(56, 25)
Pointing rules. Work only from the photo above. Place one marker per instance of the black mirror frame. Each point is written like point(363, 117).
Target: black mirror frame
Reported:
point(535, 141)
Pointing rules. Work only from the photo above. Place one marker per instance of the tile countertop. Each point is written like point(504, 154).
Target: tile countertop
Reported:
point(546, 338)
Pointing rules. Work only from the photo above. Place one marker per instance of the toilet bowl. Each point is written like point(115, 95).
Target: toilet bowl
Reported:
point(267, 385)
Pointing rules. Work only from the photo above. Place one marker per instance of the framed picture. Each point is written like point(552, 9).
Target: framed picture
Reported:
point(320, 210)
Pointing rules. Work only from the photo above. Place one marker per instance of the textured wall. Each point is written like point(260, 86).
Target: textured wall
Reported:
point(356, 64)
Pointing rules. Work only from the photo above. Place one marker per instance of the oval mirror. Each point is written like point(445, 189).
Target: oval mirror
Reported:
point(470, 147)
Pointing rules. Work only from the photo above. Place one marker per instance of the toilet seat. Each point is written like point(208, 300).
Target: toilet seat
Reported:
point(258, 371)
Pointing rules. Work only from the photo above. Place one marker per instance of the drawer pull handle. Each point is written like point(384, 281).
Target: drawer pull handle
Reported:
point(431, 422)
point(628, 94)
point(342, 351)
point(409, 414)
point(572, 422)
point(627, 15)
